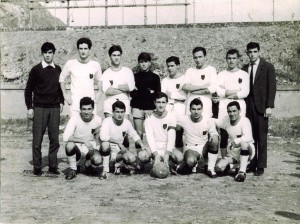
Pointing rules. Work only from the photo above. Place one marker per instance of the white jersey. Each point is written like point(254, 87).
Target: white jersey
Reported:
point(156, 129)
point(114, 78)
point(207, 75)
point(174, 86)
point(238, 81)
point(196, 133)
point(200, 77)
point(82, 79)
point(110, 130)
point(241, 132)
point(80, 129)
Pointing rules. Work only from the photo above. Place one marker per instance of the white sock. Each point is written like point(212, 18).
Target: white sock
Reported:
point(72, 162)
point(106, 164)
point(243, 163)
point(212, 159)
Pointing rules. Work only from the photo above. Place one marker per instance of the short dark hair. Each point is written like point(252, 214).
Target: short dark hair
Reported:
point(173, 59)
point(196, 49)
point(118, 104)
point(47, 46)
point(253, 45)
point(233, 51)
point(84, 40)
point(160, 95)
point(114, 48)
point(234, 103)
point(144, 56)
point(196, 101)
point(86, 101)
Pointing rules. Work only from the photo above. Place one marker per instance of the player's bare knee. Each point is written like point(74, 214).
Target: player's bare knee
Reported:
point(177, 156)
point(70, 148)
point(143, 156)
point(190, 161)
point(221, 165)
point(105, 149)
point(214, 145)
point(128, 158)
point(96, 159)
point(245, 145)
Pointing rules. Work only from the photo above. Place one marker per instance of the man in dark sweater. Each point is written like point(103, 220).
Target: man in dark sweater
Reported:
point(44, 101)
point(147, 84)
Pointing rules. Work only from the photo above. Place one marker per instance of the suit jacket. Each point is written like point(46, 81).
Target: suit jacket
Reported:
point(264, 86)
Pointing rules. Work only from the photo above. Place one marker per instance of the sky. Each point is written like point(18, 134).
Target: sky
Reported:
point(199, 11)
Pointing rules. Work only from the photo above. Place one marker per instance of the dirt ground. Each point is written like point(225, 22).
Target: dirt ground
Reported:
point(272, 198)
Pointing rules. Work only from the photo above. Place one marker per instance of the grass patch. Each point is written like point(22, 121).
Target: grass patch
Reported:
point(285, 127)
point(23, 126)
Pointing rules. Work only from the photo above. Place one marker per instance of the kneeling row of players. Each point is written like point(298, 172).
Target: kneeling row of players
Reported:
point(83, 136)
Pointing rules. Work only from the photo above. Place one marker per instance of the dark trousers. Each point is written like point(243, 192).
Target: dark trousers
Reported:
point(43, 118)
point(260, 133)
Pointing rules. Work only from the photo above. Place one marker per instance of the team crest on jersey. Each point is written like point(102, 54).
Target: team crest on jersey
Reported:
point(111, 82)
point(204, 132)
point(202, 77)
point(177, 86)
point(165, 126)
point(238, 136)
point(91, 76)
point(240, 80)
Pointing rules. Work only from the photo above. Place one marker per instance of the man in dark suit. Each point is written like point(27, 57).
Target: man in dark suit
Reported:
point(260, 102)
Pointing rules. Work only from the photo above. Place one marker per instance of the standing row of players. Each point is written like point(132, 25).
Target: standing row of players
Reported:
point(119, 84)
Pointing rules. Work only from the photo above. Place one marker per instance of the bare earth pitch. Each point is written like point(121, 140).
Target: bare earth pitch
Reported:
point(272, 198)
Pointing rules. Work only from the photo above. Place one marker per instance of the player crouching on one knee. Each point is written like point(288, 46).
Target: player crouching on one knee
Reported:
point(82, 138)
point(113, 132)
point(201, 139)
point(240, 148)
point(160, 134)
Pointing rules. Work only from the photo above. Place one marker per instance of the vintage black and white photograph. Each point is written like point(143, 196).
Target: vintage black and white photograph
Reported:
point(149, 111)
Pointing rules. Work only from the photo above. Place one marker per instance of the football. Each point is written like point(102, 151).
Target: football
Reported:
point(160, 170)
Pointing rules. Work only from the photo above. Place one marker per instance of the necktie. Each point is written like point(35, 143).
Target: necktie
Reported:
point(251, 79)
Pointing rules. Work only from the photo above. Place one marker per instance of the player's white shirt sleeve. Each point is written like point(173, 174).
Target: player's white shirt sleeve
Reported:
point(65, 72)
point(212, 127)
point(213, 79)
point(80, 129)
point(114, 78)
point(246, 131)
point(131, 132)
point(70, 128)
point(157, 129)
point(221, 84)
point(149, 130)
point(238, 80)
point(98, 74)
point(104, 131)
